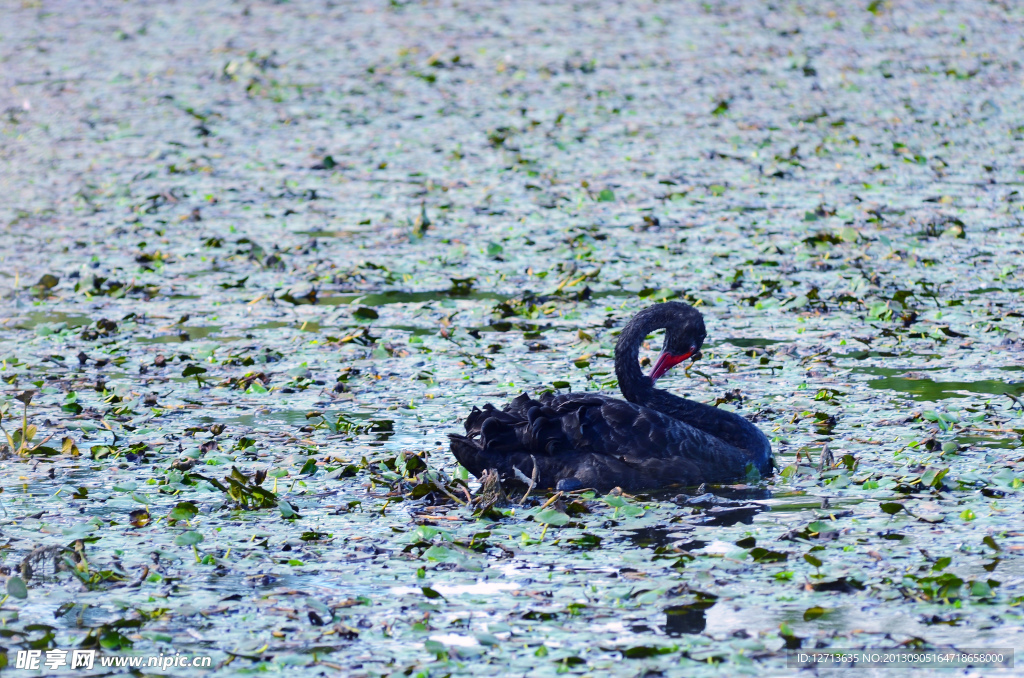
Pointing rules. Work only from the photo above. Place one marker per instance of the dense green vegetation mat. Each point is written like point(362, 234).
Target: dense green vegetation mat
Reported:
point(258, 259)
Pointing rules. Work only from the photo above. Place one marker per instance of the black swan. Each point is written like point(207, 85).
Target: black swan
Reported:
point(587, 440)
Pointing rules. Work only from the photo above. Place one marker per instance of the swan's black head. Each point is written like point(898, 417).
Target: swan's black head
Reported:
point(684, 335)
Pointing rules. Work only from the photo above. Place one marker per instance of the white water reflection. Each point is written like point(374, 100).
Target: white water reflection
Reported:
point(479, 588)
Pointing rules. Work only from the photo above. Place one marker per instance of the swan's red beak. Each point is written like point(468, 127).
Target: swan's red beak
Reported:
point(666, 361)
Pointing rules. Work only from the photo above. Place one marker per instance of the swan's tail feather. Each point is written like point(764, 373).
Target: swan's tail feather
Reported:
point(469, 453)
point(511, 438)
point(478, 458)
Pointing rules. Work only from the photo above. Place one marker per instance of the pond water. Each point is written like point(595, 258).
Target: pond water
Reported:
point(260, 259)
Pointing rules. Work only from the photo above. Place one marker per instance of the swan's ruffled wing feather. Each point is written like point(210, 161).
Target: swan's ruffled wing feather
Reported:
point(600, 441)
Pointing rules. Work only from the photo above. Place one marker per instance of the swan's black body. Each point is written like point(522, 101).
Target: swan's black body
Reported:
point(653, 441)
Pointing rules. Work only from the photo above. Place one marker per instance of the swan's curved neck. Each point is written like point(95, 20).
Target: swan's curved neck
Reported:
point(636, 386)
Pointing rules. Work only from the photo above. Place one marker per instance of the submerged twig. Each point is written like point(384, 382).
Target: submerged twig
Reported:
point(827, 460)
point(533, 480)
point(441, 487)
point(555, 497)
point(38, 555)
